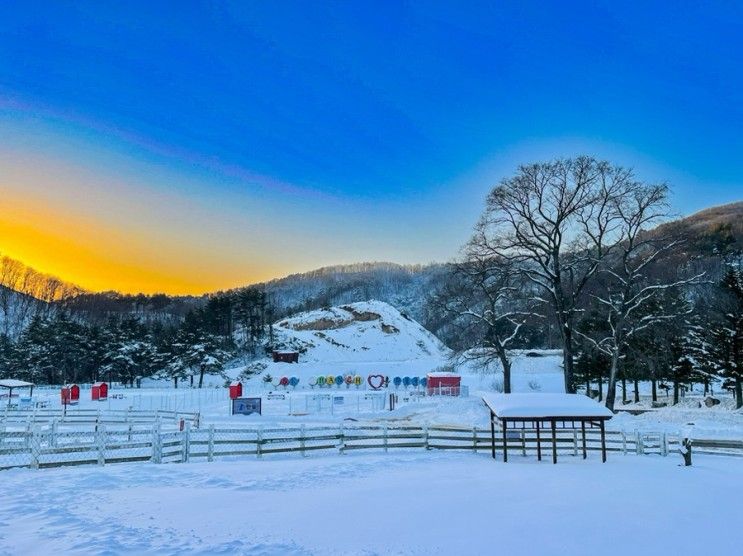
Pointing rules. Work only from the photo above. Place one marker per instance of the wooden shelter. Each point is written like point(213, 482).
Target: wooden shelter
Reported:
point(550, 412)
point(11, 384)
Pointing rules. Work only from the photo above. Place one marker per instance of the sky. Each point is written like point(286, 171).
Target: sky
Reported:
point(187, 147)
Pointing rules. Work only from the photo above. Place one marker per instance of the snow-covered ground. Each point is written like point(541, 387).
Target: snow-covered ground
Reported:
point(416, 503)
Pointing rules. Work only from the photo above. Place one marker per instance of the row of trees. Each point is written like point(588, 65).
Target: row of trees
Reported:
point(60, 344)
point(61, 349)
point(573, 246)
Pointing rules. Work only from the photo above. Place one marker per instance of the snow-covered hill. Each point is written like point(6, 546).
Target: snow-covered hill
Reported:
point(368, 331)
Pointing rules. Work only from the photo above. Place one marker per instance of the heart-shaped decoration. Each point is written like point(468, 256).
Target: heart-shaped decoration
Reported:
point(375, 381)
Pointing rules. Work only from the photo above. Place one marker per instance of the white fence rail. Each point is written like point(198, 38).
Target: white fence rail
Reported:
point(52, 446)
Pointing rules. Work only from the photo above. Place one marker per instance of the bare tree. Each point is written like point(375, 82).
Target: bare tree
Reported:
point(556, 222)
point(483, 296)
point(627, 296)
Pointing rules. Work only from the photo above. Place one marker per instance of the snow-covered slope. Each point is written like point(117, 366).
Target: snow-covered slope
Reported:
point(369, 331)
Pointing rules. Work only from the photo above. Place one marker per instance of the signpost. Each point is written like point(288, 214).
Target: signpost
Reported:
point(246, 406)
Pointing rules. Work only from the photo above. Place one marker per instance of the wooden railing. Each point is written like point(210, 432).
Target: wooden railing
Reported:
point(54, 447)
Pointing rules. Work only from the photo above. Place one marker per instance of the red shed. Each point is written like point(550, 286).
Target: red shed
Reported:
point(285, 356)
point(99, 391)
point(236, 390)
point(74, 393)
point(443, 384)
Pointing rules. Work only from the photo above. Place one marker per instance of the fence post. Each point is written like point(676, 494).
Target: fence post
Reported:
point(638, 443)
point(210, 449)
point(157, 454)
point(425, 437)
point(474, 439)
point(575, 442)
point(624, 443)
point(101, 443)
point(384, 434)
point(29, 432)
point(259, 441)
point(185, 442)
point(664, 445)
point(34, 443)
point(53, 434)
point(341, 438)
point(301, 440)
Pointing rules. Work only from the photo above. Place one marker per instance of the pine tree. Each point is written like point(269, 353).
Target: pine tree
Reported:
point(726, 332)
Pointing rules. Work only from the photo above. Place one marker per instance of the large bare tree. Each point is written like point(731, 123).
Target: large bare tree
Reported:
point(557, 221)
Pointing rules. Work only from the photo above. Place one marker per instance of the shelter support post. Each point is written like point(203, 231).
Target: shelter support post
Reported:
point(554, 441)
point(539, 443)
point(603, 441)
point(505, 442)
point(583, 434)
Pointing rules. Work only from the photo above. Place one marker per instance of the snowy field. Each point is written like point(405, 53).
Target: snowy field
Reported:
point(423, 503)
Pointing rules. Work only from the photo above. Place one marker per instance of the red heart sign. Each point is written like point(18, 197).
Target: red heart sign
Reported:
point(375, 381)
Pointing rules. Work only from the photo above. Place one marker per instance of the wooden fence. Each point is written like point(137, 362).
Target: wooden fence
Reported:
point(94, 416)
point(52, 447)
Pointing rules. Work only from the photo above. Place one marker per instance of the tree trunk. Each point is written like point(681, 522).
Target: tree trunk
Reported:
point(601, 387)
point(654, 384)
point(738, 393)
point(611, 392)
point(706, 386)
point(567, 358)
point(506, 375)
point(624, 390)
point(675, 392)
point(192, 381)
point(175, 380)
point(201, 376)
point(637, 391)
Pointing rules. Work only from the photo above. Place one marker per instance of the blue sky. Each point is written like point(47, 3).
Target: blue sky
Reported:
point(344, 131)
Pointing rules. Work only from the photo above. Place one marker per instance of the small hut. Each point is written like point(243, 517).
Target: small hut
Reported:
point(534, 414)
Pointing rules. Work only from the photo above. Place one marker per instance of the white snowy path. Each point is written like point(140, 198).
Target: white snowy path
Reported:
point(424, 503)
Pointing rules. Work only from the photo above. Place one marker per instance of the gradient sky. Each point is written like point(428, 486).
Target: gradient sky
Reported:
point(186, 147)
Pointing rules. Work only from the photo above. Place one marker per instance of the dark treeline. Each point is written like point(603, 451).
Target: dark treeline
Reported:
point(575, 254)
point(70, 342)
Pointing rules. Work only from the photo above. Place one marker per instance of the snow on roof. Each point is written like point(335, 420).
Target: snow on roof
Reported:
point(443, 375)
point(13, 383)
point(544, 406)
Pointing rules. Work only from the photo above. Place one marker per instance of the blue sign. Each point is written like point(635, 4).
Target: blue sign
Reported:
point(246, 406)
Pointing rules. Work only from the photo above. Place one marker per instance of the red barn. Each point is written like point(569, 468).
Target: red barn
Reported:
point(443, 384)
